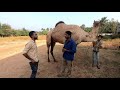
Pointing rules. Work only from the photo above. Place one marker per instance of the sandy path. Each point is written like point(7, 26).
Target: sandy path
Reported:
point(11, 48)
point(17, 66)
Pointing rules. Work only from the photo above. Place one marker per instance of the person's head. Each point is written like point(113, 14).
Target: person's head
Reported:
point(100, 37)
point(68, 34)
point(33, 35)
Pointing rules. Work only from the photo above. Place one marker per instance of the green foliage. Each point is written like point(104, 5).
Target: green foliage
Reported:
point(44, 31)
point(83, 26)
point(88, 29)
point(115, 36)
point(108, 26)
point(107, 37)
point(6, 30)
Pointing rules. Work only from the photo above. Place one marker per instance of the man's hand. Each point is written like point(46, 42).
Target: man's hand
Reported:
point(63, 50)
point(100, 47)
point(26, 55)
point(33, 61)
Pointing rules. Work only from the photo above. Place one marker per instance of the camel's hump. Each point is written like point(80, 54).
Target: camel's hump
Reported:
point(64, 27)
point(59, 23)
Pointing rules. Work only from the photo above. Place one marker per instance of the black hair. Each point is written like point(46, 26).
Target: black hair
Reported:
point(69, 33)
point(31, 33)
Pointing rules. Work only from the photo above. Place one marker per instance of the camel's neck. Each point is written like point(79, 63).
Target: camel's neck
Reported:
point(89, 37)
point(94, 31)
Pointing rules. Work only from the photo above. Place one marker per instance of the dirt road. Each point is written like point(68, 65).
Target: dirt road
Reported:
point(17, 66)
point(8, 49)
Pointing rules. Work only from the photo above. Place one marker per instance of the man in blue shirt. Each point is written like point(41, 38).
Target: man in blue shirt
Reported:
point(68, 50)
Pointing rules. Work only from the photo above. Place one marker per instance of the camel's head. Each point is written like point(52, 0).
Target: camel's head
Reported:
point(96, 23)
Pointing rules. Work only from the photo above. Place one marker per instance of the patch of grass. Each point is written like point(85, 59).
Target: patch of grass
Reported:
point(110, 66)
point(111, 43)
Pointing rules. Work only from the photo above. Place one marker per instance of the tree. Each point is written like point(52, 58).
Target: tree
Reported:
point(47, 29)
point(114, 25)
point(25, 32)
point(51, 29)
point(6, 26)
point(14, 32)
point(104, 22)
point(108, 26)
point(6, 29)
point(44, 31)
point(83, 26)
point(88, 29)
point(0, 25)
point(1, 33)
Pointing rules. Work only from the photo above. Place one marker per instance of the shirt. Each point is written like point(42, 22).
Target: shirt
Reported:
point(96, 45)
point(31, 50)
point(71, 46)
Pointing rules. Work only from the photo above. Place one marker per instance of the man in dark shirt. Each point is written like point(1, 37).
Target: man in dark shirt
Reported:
point(68, 54)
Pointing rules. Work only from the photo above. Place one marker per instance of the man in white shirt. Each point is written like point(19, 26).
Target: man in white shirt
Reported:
point(30, 52)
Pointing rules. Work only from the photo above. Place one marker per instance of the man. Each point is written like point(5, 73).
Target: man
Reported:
point(68, 54)
point(30, 52)
point(96, 46)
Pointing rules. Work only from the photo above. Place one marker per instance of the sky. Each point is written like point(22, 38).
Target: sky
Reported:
point(37, 20)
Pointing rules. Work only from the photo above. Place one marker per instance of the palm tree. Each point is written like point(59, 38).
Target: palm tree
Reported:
point(103, 22)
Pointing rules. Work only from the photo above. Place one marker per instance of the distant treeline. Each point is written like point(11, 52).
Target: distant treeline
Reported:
point(6, 31)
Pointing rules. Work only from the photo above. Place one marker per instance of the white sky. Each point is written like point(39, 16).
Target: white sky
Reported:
point(37, 20)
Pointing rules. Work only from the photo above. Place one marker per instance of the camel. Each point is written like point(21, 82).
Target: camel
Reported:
point(78, 34)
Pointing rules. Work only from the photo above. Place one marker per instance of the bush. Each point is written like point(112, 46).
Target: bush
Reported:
point(107, 37)
point(115, 36)
point(112, 36)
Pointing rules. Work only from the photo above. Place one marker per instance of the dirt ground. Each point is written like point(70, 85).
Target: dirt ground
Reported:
point(13, 47)
point(17, 66)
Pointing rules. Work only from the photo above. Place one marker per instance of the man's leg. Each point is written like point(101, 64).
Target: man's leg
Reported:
point(63, 67)
point(97, 58)
point(69, 67)
point(34, 67)
point(94, 59)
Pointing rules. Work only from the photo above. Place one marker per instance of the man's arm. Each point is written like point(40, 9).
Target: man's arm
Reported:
point(73, 50)
point(26, 55)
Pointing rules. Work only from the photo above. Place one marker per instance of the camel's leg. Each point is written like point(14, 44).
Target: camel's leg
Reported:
point(52, 47)
point(48, 46)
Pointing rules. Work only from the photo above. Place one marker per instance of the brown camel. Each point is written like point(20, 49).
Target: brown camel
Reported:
point(79, 35)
